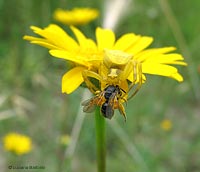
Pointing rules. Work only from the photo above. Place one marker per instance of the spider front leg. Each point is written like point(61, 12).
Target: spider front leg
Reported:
point(122, 110)
point(126, 71)
point(137, 78)
point(133, 68)
point(86, 74)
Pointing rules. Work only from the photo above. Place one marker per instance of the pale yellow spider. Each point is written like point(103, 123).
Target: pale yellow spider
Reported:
point(118, 75)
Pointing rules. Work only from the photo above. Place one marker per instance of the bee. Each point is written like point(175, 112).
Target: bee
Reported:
point(109, 99)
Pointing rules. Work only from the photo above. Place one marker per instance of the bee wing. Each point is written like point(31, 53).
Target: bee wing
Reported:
point(94, 100)
point(90, 104)
point(86, 102)
point(89, 109)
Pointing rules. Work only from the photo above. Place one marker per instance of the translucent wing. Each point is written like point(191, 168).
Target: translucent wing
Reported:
point(89, 109)
point(89, 105)
point(86, 102)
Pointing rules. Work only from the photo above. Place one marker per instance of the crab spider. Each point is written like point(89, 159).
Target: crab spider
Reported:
point(117, 75)
point(117, 68)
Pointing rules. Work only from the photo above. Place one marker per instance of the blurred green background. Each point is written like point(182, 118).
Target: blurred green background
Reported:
point(31, 101)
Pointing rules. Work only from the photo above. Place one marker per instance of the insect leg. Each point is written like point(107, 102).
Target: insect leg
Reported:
point(90, 85)
point(133, 67)
point(122, 110)
point(137, 78)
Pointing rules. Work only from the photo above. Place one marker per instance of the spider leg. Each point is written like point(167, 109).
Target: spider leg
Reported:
point(130, 68)
point(137, 77)
point(90, 85)
point(122, 110)
point(126, 71)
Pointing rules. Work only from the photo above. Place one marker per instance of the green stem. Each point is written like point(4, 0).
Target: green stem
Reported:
point(100, 141)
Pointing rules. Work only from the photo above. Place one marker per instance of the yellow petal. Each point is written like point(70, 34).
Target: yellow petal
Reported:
point(105, 38)
point(45, 44)
point(172, 58)
point(40, 41)
point(84, 42)
point(158, 69)
point(90, 45)
point(72, 80)
point(126, 41)
point(177, 77)
point(161, 69)
point(32, 38)
point(69, 56)
point(76, 16)
point(56, 36)
point(152, 52)
point(140, 45)
point(79, 35)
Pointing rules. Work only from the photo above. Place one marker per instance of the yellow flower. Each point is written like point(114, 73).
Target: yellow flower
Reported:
point(166, 125)
point(65, 139)
point(76, 16)
point(17, 143)
point(88, 55)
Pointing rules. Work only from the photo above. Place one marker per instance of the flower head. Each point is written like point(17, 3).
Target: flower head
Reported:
point(166, 125)
point(76, 16)
point(17, 143)
point(108, 52)
point(65, 139)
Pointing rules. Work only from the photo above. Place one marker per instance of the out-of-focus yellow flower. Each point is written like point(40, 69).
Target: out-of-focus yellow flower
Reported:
point(76, 16)
point(65, 139)
point(17, 143)
point(88, 55)
point(166, 125)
